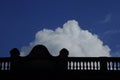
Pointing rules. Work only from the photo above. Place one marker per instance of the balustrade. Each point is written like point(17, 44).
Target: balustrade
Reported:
point(79, 63)
point(83, 65)
point(4, 64)
point(113, 65)
point(90, 63)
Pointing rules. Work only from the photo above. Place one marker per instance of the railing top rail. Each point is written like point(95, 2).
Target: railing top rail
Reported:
point(5, 59)
point(94, 58)
point(73, 58)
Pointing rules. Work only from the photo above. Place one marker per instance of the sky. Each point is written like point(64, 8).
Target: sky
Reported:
point(20, 20)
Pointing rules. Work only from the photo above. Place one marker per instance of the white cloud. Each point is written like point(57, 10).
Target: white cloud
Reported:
point(111, 32)
point(106, 19)
point(79, 42)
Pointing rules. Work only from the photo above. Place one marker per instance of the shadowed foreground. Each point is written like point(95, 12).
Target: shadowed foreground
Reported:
point(40, 65)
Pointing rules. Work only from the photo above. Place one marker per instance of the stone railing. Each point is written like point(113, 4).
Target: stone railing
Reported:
point(40, 56)
point(4, 64)
point(94, 63)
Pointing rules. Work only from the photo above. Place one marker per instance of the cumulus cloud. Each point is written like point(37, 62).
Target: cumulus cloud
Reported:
point(79, 42)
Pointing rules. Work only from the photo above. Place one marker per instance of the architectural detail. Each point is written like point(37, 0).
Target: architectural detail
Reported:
point(41, 63)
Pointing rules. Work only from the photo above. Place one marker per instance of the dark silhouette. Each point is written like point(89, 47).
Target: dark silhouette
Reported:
point(40, 64)
point(39, 51)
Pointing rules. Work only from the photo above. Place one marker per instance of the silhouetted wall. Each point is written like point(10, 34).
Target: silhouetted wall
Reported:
point(42, 62)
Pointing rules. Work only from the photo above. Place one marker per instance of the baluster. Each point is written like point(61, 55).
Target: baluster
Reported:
point(2, 66)
point(111, 65)
point(78, 65)
point(91, 65)
point(75, 66)
point(108, 65)
point(115, 66)
point(88, 66)
point(71, 65)
point(85, 66)
point(6, 65)
point(95, 65)
point(118, 65)
point(81, 65)
point(98, 65)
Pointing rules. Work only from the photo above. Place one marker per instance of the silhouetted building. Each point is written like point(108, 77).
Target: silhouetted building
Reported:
point(39, 64)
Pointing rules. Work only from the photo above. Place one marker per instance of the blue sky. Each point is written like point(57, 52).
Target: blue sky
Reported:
point(21, 19)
